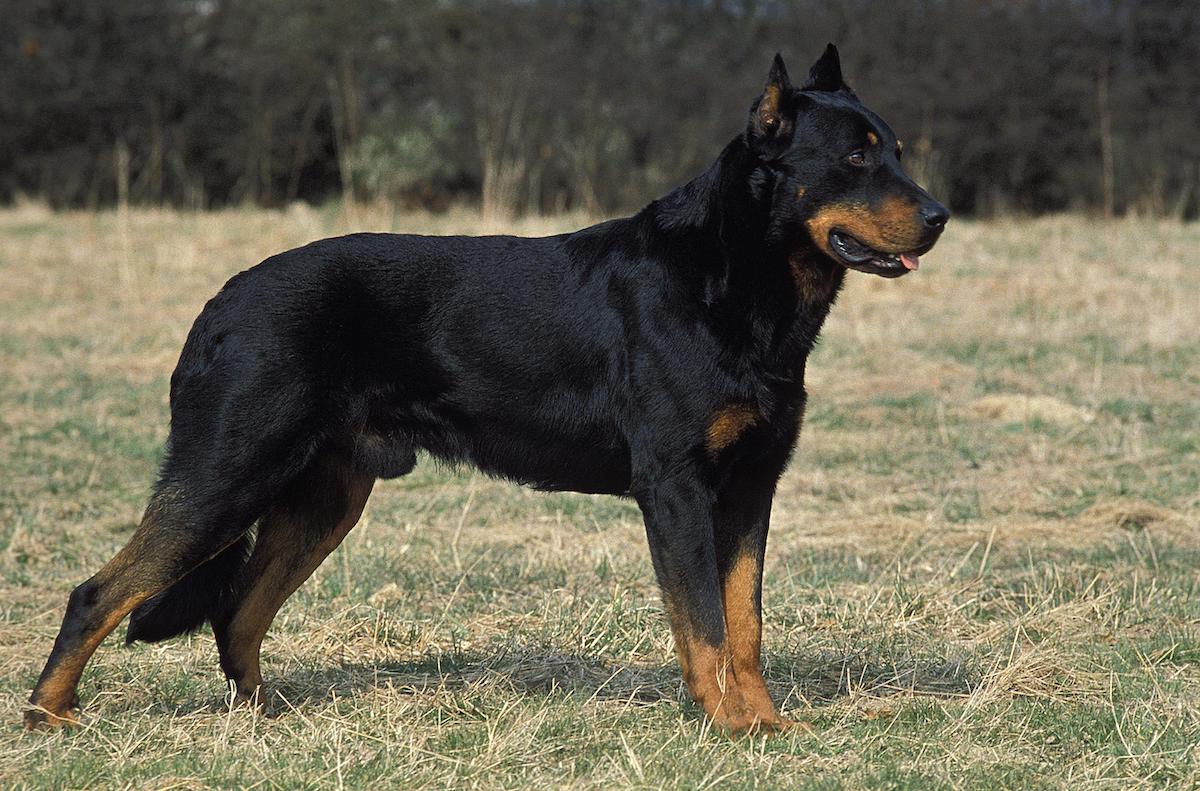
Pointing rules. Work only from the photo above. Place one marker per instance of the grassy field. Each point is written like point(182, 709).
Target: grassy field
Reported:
point(984, 567)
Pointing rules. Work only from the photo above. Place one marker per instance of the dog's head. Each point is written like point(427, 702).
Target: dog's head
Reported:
point(839, 185)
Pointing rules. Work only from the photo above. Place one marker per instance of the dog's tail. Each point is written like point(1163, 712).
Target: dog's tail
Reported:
point(186, 605)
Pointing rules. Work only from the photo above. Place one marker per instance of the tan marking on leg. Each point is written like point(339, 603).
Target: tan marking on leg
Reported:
point(679, 637)
point(279, 567)
point(133, 575)
point(55, 691)
point(743, 623)
point(710, 677)
point(142, 568)
point(727, 426)
point(705, 667)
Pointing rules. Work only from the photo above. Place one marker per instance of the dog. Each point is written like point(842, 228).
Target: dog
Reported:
point(659, 357)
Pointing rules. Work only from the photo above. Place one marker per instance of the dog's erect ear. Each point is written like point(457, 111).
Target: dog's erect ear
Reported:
point(826, 73)
point(767, 121)
point(778, 76)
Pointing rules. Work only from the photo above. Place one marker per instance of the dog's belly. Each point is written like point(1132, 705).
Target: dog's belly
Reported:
point(522, 445)
point(556, 464)
point(579, 458)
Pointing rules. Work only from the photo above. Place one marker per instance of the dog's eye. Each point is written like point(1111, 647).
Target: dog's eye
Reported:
point(858, 159)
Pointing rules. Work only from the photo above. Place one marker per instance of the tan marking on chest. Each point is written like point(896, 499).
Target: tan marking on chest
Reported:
point(727, 425)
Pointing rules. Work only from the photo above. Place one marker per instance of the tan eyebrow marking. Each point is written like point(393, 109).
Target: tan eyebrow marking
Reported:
point(872, 138)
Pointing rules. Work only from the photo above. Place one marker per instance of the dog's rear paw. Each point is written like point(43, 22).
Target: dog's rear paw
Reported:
point(245, 697)
point(39, 719)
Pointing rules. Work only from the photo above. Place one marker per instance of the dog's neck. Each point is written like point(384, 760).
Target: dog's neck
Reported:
point(721, 223)
point(726, 203)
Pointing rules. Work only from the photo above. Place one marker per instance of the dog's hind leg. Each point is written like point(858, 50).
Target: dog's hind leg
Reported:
point(171, 540)
point(226, 463)
point(306, 523)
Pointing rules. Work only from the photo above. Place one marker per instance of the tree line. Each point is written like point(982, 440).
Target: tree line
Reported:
point(1005, 106)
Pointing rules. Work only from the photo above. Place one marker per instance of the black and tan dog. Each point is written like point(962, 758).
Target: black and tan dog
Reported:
point(659, 357)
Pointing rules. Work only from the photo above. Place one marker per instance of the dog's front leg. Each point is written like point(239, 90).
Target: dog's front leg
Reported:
point(742, 515)
point(679, 526)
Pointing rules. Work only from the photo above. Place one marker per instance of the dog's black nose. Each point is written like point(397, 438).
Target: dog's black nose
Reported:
point(935, 215)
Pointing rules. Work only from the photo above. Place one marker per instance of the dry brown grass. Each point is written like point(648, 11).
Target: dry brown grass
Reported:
point(981, 573)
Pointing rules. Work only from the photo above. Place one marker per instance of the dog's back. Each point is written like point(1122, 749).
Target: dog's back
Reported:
point(502, 352)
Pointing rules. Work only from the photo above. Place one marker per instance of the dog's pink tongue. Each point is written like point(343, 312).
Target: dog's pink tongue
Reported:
point(910, 261)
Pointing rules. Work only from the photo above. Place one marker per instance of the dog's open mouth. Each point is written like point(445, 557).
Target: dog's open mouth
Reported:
point(857, 255)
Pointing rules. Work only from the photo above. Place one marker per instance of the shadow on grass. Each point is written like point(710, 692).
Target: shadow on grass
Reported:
point(533, 672)
point(827, 676)
point(815, 679)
